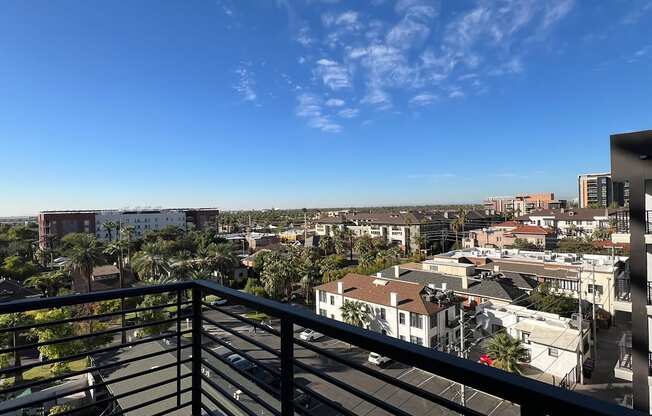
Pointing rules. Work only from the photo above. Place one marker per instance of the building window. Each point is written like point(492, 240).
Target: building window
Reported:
point(416, 340)
point(322, 296)
point(402, 337)
point(382, 314)
point(416, 320)
point(525, 337)
point(553, 352)
point(401, 318)
point(433, 321)
point(598, 289)
point(332, 300)
point(322, 312)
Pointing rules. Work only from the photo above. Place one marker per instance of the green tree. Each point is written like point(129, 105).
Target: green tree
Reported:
point(85, 254)
point(366, 250)
point(506, 352)
point(281, 272)
point(109, 227)
point(331, 263)
point(56, 332)
point(523, 244)
point(17, 268)
point(355, 313)
point(221, 258)
point(545, 299)
point(152, 316)
point(151, 263)
point(12, 340)
point(327, 245)
point(49, 283)
point(343, 239)
point(59, 409)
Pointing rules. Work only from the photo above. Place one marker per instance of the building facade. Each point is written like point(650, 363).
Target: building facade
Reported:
point(504, 235)
point(631, 163)
point(521, 204)
point(54, 225)
point(577, 222)
point(599, 190)
point(408, 311)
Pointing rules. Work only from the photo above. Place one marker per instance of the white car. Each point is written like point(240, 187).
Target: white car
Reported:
point(378, 359)
point(219, 302)
point(310, 335)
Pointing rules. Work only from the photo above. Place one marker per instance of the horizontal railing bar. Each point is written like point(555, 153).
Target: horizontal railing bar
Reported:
point(350, 389)
point(24, 305)
point(390, 380)
point(241, 353)
point(94, 386)
point(243, 319)
point(496, 382)
point(27, 327)
point(89, 370)
point(84, 336)
point(152, 401)
point(73, 357)
point(219, 405)
point(244, 389)
point(225, 393)
point(247, 338)
point(269, 390)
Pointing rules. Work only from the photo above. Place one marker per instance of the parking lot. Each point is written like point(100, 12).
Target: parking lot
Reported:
point(390, 394)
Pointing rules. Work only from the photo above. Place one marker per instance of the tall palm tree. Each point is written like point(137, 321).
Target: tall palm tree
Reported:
point(109, 226)
point(355, 313)
point(48, 283)
point(117, 250)
point(151, 263)
point(127, 233)
point(280, 273)
point(85, 254)
point(221, 258)
point(507, 352)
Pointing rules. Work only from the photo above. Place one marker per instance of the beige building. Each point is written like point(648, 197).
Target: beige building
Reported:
point(505, 234)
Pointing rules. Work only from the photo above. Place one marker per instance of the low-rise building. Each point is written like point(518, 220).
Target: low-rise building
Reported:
point(412, 312)
point(505, 234)
point(554, 343)
point(578, 222)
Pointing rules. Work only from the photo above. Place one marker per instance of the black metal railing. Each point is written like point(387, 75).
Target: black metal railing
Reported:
point(623, 221)
point(649, 293)
point(188, 355)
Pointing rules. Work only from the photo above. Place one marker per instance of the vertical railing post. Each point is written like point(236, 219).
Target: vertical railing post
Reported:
point(196, 350)
point(179, 347)
point(287, 367)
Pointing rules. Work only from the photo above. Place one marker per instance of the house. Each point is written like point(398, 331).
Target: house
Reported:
point(102, 278)
point(578, 222)
point(410, 311)
point(256, 241)
point(505, 235)
point(12, 290)
point(554, 343)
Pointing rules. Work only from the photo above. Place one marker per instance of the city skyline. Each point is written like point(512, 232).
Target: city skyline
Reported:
point(356, 103)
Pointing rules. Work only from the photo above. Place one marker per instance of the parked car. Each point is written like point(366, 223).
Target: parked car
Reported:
point(310, 335)
point(240, 362)
point(219, 302)
point(378, 359)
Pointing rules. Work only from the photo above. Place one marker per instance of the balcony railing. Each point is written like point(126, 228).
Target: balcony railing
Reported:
point(623, 225)
point(649, 293)
point(176, 358)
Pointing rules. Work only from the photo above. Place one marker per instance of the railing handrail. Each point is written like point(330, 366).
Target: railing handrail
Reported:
point(533, 396)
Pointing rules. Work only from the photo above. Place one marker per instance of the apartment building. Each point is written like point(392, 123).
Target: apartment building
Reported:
point(554, 344)
point(402, 229)
point(598, 190)
point(631, 163)
point(577, 222)
point(505, 234)
point(54, 225)
point(412, 312)
point(522, 203)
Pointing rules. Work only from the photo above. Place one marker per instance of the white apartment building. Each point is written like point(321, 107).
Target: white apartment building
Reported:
point(409, 311)
point(141, 221)
point(578, 222)
point(553, 342)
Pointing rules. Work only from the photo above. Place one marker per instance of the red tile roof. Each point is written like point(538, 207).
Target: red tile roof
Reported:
point(360, 287)
point(508, 224)
point(531, 229)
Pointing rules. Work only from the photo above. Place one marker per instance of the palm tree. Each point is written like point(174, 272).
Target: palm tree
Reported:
point(151, 263)
point(507, 352)
point(355, 313)
point(48, 283)
point(109, 226)
point(279, 275)
point(12, 320)
point(117, 249)
point(127, 233)
point(222, 259)
point(327, 245)
point(84, 255)
point(419, 241)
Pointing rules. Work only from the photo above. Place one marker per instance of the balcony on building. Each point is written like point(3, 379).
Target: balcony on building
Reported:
point(174, 356)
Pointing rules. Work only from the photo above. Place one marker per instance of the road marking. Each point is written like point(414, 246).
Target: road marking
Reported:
point(425, 381)
point(406, 372)
point(495, 408)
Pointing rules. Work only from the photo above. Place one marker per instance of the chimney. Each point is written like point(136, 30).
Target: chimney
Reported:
point(379, 275)
point(393, 299)
point(397, 271)
point(340, 288)
point(496, 268)
point(465, 282)
point(444, 286)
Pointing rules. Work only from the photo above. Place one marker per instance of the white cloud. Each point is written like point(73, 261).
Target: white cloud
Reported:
point(423, 99)
point(379, 98)
point(348, 112)
point(456, 94)
point(246, 83)
point(334, 102)
point(556, 10)
point(303, 36)
point(310, 107)
point(332, 74)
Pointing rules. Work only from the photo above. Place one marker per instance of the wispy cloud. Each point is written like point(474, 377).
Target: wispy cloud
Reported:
point(332, 74)
point(310, 107)
point(246, 84)
point(638, 9)
point(423, 99)
point(348, 113)
point(334, 102)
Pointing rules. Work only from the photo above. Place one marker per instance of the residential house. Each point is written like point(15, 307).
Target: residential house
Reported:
point(578, 222)
point(505, 235)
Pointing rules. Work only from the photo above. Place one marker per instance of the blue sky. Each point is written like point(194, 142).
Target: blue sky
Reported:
point(252, 103)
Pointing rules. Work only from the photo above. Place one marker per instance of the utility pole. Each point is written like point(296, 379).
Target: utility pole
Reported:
point(580, 354)
point(462, 355)
point(595, 339)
